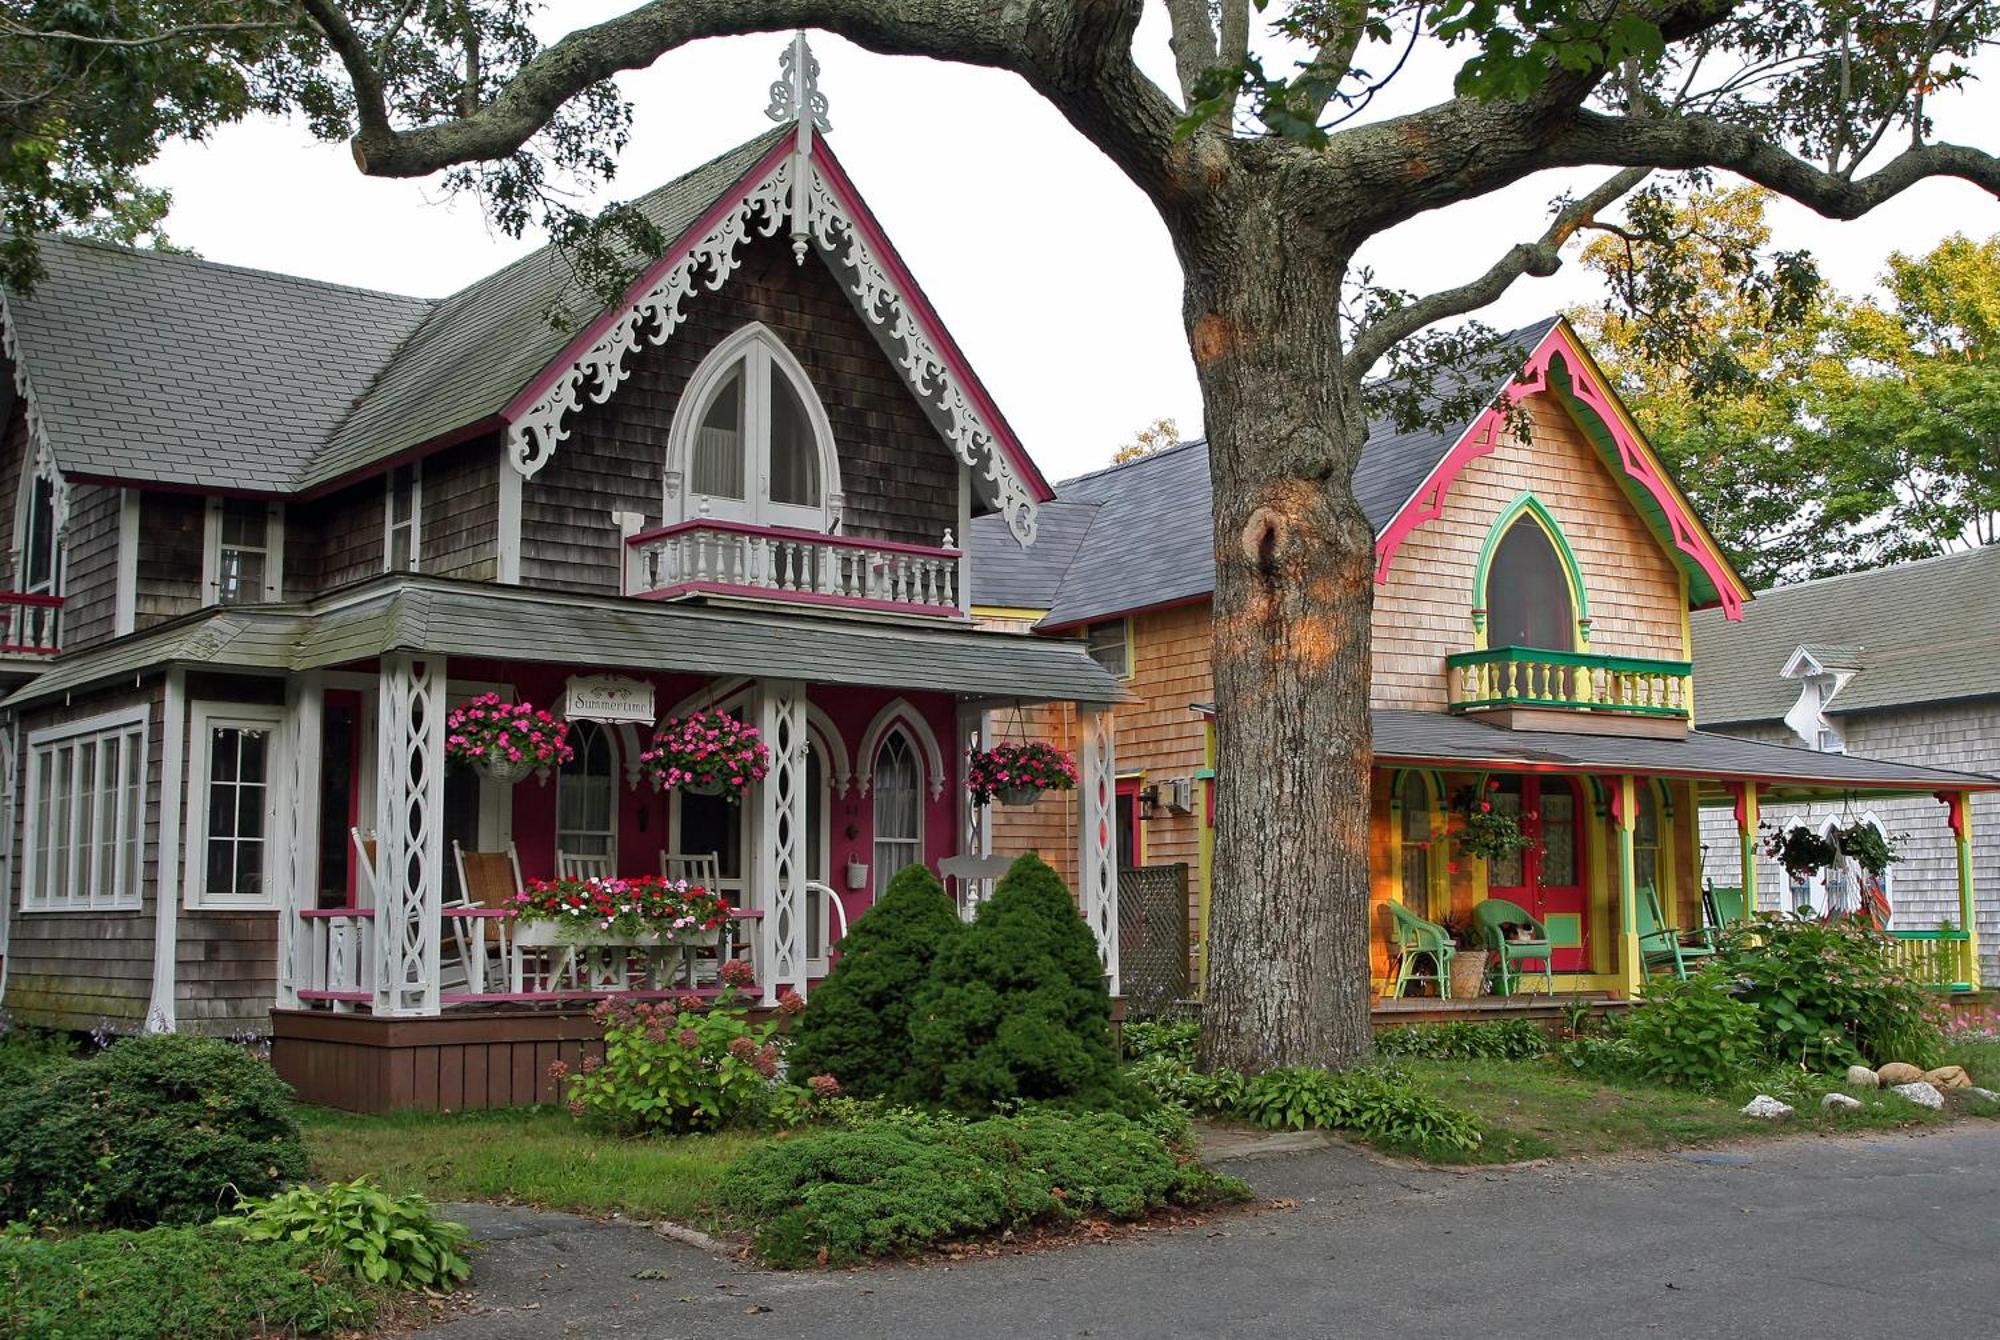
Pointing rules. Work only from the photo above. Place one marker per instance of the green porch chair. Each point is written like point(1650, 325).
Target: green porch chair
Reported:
point(1416, 938)
point(1493, 917)
point(1661, 945)
point(1723, 906)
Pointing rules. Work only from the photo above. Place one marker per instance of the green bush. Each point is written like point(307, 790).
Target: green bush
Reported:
point(202, 1283)
point(844, 1195)
point(1384, 1108)
point(396, 1241)
point(857, 1027)
point(27, 1052)
point(1831, 994)
point(1497, 1040)
point(1175, 1038)
point(1606, 1058)
point(1694, 1033)
point(693, 1067)
point(1016, 1007)
point(163, 1129)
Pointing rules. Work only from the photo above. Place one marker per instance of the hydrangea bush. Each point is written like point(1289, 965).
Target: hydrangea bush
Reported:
point(508, 739)
point(1030, 766)
point(707, 751)
point(645, 905)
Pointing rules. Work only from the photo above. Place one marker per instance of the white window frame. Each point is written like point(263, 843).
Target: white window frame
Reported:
point(131, 723)
point(875, 839)
point(415, 524)
point(204, 717)
point(763, 357)
point(211, 552)
point(610, 835)
point(1091, 644)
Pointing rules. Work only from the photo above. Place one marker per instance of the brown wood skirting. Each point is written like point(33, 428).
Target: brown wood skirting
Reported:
point(454, 1063)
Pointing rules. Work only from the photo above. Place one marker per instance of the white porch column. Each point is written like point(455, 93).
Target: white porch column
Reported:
point(779, 835)
point(409, 837)
point(975, 837)
point(298, 827)
point(1097, 834)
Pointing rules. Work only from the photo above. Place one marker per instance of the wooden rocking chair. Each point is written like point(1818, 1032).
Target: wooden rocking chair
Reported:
point(1661, 945)
point(487, 881)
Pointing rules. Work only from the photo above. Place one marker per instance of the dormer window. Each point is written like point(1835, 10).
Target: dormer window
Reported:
point(1527, 592)
point(41, 550)
point(750, 441)
point(243, 558)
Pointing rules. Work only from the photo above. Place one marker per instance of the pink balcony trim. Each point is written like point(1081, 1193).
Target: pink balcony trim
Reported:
point(479, 911)
point(791, 533)
point(537, 997)
point(347, 997)
point(16, 649)
point(25, 598)
point(810, 597)
point(314, 913)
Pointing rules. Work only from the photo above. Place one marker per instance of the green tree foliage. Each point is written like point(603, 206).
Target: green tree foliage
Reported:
point(162, 1129)
point(1816, 433)
point(857, 1025)
point(1017, 1006)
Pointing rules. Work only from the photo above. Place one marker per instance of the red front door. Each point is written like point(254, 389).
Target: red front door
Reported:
point(1547, 878)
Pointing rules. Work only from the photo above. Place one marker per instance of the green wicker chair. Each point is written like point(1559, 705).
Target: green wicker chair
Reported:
point(1493, 917)
point(1416, 938)
point(1662, 946)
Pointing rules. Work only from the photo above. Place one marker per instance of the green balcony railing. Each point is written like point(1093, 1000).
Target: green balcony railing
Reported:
point(1569, 681)
point(1940, 959)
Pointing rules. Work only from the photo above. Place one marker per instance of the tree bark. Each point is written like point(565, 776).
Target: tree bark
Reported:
point(1288, 972)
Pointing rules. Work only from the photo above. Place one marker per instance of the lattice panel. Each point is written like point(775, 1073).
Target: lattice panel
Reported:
point(783, 854)
point(298, 831)
point(409, 841)
point(1098, 859)
point(1153, 937)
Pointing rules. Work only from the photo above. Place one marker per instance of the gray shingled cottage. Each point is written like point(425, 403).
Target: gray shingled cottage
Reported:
point(1898, 663)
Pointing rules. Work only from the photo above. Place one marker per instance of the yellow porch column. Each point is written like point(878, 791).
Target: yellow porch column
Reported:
point(1746, 837)
point(1630, 966)
point(1961, 830)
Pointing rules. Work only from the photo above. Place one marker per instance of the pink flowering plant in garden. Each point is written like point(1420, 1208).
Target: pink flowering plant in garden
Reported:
point(675, 1066)
point(648, 904)
point(1030, 766)
point(506, 738)
point(707, 751)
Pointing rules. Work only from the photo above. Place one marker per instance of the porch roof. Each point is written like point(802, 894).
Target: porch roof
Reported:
point(1440, 739)
point(403, 612)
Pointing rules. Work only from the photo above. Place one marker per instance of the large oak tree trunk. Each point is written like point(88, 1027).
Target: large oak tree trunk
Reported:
point(1288, 970)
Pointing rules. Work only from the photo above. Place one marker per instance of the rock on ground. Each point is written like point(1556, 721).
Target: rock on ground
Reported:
point(1840, 1102)
point(1948, 1077)
point(1920, 1093)
point(1767, 1107)
point(1861, 1077)
point(1898, 1072)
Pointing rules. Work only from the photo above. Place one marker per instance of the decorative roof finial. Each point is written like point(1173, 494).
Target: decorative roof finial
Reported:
point(795, 94)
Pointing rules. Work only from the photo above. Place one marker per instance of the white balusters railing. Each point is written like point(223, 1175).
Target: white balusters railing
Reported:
point(1579, 681)
point(340, 956)
point(729, 558)
point(29, 625)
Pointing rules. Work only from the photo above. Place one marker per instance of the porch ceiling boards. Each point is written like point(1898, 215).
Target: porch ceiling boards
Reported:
point(478, 619)
point(1436, 739)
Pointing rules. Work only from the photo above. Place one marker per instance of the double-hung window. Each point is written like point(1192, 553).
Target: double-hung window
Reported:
point(232, 805)
point(244, 555)
point(86, 813)
point(1110, 645)
point(403, 518)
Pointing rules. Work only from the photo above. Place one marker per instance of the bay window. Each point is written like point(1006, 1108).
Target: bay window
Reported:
point(86, 809)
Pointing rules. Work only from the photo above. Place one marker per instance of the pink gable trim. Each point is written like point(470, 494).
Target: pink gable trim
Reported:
point(1634, 457)
point(871, 231)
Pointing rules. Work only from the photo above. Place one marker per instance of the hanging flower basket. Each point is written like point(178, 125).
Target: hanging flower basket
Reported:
point(707, 753)
point(1871, 849)
point(506, 741)
point(1479, 829)
point(641, 912)
point(1016, 774)
point(1801, 851)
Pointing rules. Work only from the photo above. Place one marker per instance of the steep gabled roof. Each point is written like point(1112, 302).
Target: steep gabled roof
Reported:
point(1920, 632)
point(154, 367)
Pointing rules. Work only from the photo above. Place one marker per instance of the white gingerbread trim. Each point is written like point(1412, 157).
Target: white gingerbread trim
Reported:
point(899, 712)
point(763, 209)
point(44, 456)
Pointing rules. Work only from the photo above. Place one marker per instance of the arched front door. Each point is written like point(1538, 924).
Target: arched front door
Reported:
point(1546, 878)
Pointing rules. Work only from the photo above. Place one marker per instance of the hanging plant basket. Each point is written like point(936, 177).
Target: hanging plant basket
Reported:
point(1016, 774)
point(1871, 849)
point(1801, 851)
point(1479, 829)
point(506, 741)
point(706, 753)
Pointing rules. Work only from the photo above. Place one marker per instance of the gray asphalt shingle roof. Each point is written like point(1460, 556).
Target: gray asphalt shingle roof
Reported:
point(162, 368)
point(1921, 632)
point(1148, 542)
point(459, 618)
point(1438, 737)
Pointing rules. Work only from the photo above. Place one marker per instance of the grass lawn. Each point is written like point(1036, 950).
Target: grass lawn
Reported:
point(532, 1156)
point(1539, 1108)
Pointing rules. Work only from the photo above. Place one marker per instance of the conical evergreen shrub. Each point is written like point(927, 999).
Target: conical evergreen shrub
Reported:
point(1017, 1007)
point(856, 1026)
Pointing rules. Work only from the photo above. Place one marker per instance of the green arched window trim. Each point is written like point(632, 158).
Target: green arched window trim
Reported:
point(1579, 598)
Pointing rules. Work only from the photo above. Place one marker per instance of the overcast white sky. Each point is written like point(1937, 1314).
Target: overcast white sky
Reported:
point(1051, 270)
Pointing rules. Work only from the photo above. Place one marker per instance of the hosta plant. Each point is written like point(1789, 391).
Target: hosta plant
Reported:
point(398, 1241)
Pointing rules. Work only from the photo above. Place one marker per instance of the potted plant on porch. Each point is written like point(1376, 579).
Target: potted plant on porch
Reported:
point(1016, 774)
point(506, 741)
point(647, 911)
point(709, 753)
point(1470, 962)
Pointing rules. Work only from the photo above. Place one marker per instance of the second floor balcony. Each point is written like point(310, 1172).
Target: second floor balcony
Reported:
point(729, 558)
point(1549, 686)
point(30, 628)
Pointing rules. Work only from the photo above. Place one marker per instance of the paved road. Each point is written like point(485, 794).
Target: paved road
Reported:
point(1806, 1237)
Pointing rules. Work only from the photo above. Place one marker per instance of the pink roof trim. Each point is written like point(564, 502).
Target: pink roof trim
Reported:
point(1634, 457)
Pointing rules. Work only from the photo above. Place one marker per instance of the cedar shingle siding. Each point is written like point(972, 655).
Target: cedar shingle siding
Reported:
point(899, 479)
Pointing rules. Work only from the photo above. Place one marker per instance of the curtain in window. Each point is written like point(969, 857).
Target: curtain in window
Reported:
point(1646, 838)
point(586, 794)
point(1527, 593)
point(794, 451)
point(718, 446)
point(1416, 799)
point(899, 819)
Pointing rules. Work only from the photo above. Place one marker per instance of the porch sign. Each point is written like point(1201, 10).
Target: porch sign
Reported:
point(607, 698)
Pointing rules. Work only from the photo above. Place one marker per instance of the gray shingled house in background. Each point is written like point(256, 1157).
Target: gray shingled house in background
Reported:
point(1899, 663)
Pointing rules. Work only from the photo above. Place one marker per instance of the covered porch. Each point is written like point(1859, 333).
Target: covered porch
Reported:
point(1617, 881)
